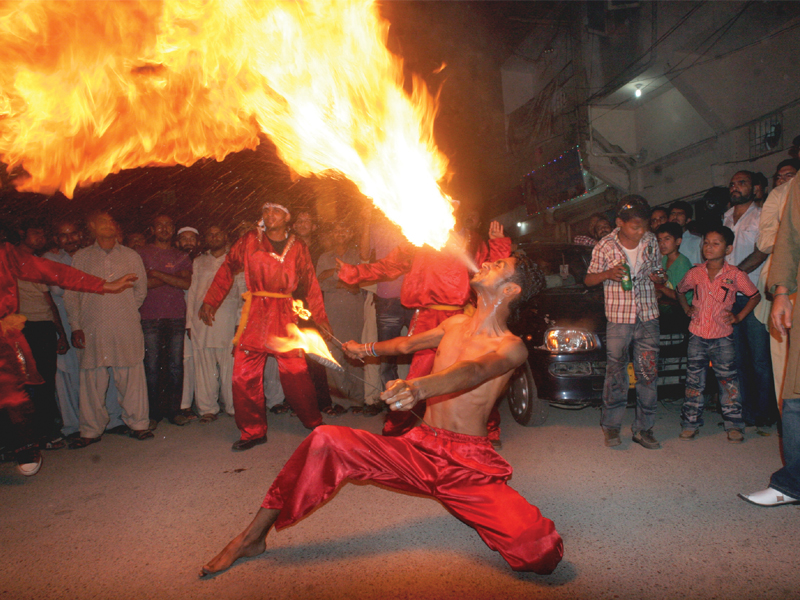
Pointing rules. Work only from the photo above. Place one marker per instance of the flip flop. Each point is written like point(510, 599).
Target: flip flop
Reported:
point(208, 418)
point(82, 442)
point(334, 410)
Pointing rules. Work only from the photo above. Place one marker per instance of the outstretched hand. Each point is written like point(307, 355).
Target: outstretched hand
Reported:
point(400, 395)
point(120, 285)
point(495, 230)
point(355, 350)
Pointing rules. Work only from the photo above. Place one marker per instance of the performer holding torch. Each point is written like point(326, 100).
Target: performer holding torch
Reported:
point(448, 457)
point(275, 265)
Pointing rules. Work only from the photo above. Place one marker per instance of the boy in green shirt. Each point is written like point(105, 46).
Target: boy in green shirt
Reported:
point(676, 266)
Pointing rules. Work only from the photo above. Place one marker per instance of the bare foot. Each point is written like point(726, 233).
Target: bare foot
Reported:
point(238, 548)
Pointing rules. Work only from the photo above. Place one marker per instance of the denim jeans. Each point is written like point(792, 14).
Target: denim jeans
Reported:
point(721, 352)
point(645, 338)
point(754, 364)
point(163, 365)
point(392, 316)
point(787, 479)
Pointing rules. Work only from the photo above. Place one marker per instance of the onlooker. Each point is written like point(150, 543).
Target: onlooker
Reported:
point(108, 330)
point(45, 335)
point(344, 305)
point(784, 485)
point(753, 361)
point(188, 241)
point(715, 284)
point(629, 252)
point(135, 240)
point(785, 171)
point(211, 346)
point(599, 227)
point(68, 240)
point(760, 185)
point(658, 216)
point(680, 212)
point(675, 265)
point(169, 273)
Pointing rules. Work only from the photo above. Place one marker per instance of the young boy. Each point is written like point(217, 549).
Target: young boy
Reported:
point(676, 265)
point(715, 284)
point(632, 317)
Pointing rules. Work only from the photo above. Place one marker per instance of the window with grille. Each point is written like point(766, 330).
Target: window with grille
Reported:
point(766, 135)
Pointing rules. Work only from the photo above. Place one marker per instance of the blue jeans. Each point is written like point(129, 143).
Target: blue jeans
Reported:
point(163, 365)
point(645, 339)
point(722, 354)
point(787, 479)
point(391, 316)
point(754, 364)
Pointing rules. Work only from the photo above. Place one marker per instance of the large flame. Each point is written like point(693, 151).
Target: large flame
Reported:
point(309, 341)
point(90, 88)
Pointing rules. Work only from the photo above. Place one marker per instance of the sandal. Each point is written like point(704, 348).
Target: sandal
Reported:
point(280, 409)
point(371, 410)
point(54, 444)
point(334, 410)
point(82, 442)
point(208, 418)
point(141, 434)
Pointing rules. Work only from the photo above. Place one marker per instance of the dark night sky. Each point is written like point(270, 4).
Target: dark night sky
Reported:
point(473, 38)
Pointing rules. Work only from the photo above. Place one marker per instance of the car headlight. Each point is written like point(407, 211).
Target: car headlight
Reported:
point(568, 340)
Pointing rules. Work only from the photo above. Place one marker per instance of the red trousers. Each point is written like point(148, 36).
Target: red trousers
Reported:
point(249, 404)
point(398, 422)
point(463, 472)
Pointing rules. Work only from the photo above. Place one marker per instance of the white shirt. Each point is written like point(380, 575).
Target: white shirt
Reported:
point(746, 232)
point(110, 322)
point(692, 247)
point(220, 334)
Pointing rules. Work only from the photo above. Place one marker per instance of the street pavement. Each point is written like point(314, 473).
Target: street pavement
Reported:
point(127, 519)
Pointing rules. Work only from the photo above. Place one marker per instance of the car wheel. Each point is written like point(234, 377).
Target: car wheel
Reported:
point(523, 399)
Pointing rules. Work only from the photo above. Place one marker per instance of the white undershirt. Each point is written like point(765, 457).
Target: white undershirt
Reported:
point(633, 257)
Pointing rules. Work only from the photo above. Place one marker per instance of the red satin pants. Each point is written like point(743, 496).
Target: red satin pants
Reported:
point(399, 421)
point(249, 404)
point(463, 472)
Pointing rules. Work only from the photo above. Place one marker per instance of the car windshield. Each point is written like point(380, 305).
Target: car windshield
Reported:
point(564, 265)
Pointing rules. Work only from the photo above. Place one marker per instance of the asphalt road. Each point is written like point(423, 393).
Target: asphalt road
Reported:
point(125, 519)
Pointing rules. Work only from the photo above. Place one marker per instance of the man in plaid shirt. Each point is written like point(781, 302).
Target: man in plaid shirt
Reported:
point(632, 317)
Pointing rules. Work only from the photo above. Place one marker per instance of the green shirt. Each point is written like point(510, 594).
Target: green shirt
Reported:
point(677, 272)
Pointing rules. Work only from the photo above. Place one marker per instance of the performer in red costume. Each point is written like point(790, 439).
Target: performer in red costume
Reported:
point(436, 285)
point(448, 457)
point(17, 367)
point(275, 265)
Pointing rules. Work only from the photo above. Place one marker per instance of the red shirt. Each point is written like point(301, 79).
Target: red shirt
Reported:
point(432, 276)
point(713, 298)
point(265, 271)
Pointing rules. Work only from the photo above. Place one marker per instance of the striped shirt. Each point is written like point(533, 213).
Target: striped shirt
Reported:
point(712, 299)
point(641, 302)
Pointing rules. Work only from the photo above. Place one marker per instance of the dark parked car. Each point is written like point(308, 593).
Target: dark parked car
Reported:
point(564, 330)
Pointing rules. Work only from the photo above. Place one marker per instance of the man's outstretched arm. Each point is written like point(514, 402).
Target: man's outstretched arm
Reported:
point(461, 376)
point(399, 345)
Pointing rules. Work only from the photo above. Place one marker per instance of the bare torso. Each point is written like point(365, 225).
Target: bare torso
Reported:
point(466, 412)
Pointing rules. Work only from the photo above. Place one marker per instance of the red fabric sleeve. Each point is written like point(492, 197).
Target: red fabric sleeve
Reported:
point(499, 248)
point(308, 282)
point(223, 280)
point(41, 270)
point(398, 262)
point(688, 281)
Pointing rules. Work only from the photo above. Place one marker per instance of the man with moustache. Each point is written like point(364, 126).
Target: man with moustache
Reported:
point(188, 241)
point(276, 264)
point(751, 338)
point(211, 346)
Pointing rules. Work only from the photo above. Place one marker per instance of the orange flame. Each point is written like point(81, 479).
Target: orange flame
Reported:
point(300, 310)
point(308, 340)
point(90, 88)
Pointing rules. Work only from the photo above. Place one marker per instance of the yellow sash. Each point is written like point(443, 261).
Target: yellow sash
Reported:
point(444, 307)
point(248, 300)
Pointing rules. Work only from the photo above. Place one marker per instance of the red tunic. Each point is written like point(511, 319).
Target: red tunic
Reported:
point(16, 370)
point(432, 276)
point(265, 271)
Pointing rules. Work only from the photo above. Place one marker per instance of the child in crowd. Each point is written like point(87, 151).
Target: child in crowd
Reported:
point(715, 284)
point(676, 265)
point(632, 317)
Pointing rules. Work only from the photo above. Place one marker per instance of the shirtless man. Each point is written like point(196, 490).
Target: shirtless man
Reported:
point(447, 457)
